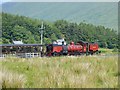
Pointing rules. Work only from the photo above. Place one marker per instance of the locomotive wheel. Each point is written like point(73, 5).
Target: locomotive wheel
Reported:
point(77, 53)
point(98, 52)
point(92, 53)
point(54, 54)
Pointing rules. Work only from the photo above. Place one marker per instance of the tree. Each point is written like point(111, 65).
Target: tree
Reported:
point(20, 27)
point(20, 33)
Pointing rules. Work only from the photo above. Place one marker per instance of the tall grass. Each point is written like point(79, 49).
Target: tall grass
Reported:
point(11, 79)
point(67, 72)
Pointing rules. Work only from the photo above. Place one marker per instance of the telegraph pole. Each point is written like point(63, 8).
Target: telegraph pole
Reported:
point(41, 34)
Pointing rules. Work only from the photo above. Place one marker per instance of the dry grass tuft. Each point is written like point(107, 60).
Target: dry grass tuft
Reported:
point(11, 80)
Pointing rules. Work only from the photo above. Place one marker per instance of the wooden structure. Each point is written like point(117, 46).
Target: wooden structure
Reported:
point(21, 50)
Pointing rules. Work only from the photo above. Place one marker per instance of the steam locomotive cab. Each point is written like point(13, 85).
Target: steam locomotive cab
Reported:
point(89, 48)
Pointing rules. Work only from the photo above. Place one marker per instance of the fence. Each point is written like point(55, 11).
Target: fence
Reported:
point(21, 55)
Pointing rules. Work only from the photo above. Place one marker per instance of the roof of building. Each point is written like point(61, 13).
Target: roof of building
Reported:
point(9, 45)
point(17, 42)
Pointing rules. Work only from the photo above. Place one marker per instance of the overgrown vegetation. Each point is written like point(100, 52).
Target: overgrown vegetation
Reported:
point(11, 79)
point(65, 72)
point(16, 27)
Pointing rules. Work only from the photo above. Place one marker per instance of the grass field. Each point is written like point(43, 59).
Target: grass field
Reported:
point(60, 72)
point(108, 51)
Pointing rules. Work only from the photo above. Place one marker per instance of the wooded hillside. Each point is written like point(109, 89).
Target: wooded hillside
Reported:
point(97, 13)
point(16, 27)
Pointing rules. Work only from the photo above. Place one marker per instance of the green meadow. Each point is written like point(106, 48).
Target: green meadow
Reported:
point(60, 72)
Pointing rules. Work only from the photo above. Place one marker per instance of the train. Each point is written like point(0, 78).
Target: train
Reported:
point(57, 48)
point(80, 48)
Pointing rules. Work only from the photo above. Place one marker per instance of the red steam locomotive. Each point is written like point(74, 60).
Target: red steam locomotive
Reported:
point(80, 48)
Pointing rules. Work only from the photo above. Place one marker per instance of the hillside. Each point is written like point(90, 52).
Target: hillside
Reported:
point(104, 14)
point(16, 27)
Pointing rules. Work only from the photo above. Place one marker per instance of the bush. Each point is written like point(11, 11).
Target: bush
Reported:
point(115, 50)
